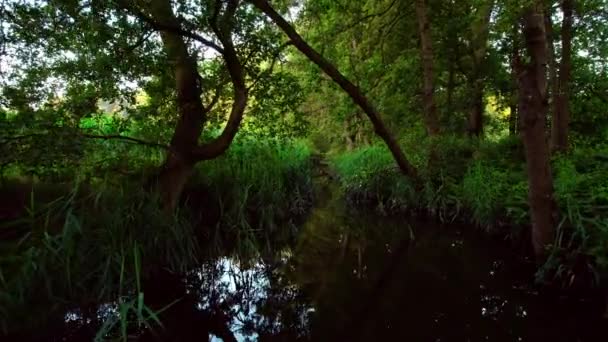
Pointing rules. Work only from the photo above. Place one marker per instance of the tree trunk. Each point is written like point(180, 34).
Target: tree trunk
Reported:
point(184, 150)
point(561, 118)
point(450, 91)
point(480, 31)
point(352, 90)
point(553, 89)
point(348, 135)
point(513, 101)
point(426, 53)
point(533, 109)
point(179, 163)
point(476, 109)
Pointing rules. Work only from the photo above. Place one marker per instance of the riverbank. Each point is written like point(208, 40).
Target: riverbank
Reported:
point(483, 183)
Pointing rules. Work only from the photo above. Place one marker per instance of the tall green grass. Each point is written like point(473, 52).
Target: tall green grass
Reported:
point(261, 187)
point(87, 248)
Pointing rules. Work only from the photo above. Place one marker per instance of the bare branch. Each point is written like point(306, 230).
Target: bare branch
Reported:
point(175, 29)
point(359, 21)
point(215, 98)
point(88, 136)
point(125, 138)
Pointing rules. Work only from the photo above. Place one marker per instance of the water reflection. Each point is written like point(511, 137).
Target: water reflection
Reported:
point(254, 303)
point(364, 279)
point(353, 277)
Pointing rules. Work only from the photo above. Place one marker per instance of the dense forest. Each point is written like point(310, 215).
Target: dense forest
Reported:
point(303, 170)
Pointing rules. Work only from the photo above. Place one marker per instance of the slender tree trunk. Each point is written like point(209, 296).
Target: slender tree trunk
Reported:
point(476, 108)
point(352, 90)
point(450, 90)
point(561, 118)
point(533, 109)
point(553, 89)
point(513, 118)
point(513, 101)
point(348, 136)
point(479, 41)
point(426, 52)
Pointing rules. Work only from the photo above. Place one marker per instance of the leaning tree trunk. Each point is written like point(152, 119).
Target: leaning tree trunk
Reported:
point(561, 116)
point(533, 109)
point(351, 89)
point(426, 53)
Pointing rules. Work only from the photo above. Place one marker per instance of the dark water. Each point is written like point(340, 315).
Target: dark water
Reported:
point(368, 278)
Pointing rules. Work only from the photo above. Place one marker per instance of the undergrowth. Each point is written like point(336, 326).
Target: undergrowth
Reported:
point(261, 187)
point(85, 248)
point(484, 182)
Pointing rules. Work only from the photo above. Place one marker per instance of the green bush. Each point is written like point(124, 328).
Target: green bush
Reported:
point(369, 176)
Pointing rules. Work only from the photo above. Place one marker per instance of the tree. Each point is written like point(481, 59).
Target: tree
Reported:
point(532, 110)
point(100, 46)
point(426, 53)
point(561, 110)
point(184, 150)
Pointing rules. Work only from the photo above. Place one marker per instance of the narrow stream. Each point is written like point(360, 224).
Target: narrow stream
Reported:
point(369, 278)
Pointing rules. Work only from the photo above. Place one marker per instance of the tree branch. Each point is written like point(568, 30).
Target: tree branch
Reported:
point(215, 98)
point(125, 138)
point(216, 147)
point(365, 18)
point(164, 27)
point(88, 136)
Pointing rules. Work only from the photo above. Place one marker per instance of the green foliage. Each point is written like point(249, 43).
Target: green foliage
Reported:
point(80, 242)
point(582, 197)
point(369, 176)
point(483, 190)
point(487, 187)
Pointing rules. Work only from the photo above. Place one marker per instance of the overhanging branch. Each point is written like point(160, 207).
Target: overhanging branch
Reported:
point(86, 135)
point(351, 89)
point(164, 27)
point(124, 138)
